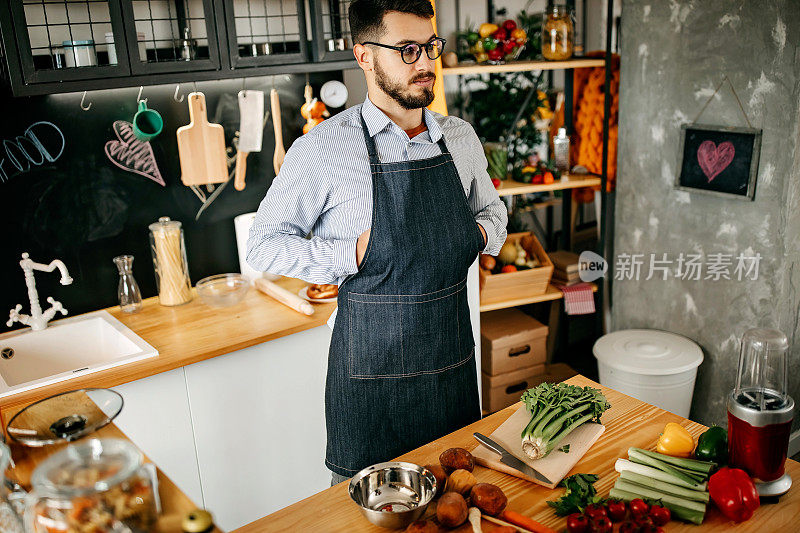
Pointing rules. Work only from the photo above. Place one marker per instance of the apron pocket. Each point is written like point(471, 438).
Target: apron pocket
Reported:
point(396, 336)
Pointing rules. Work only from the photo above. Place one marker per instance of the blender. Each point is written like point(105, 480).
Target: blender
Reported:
point(760, 411)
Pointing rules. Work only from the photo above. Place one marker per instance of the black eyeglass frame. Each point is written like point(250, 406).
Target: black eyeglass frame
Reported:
point(420, 46)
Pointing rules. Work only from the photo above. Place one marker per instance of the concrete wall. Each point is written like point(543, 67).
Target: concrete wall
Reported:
point(673, 55)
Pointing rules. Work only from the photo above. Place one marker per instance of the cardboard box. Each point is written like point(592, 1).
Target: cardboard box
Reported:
point(506, 389)
point(511, 340)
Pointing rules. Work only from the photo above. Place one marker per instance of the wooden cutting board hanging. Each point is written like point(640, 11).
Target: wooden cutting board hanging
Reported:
point(201, 147)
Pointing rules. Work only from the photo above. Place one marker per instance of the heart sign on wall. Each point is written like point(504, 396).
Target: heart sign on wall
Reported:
point(131, 154)
point(720, 160)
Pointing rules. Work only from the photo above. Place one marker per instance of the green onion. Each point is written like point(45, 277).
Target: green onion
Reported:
point(689, 464)
point(666, 488)
point(678, 511)
point(641, 458)
point(623, 465)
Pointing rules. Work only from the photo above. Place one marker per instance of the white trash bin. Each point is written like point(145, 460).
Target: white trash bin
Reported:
point(654, 366)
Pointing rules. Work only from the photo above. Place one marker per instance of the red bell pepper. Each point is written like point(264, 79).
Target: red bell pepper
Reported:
point(734, 493)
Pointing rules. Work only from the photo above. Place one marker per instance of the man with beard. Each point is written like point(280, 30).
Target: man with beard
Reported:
point(400, 204)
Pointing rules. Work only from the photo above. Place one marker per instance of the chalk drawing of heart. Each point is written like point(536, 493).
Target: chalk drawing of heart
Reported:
point(714, 159)
point(131, 154)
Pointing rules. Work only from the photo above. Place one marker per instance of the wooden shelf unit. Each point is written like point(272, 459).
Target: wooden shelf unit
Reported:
point(520, 298)
point(521, 66)
point(510, 187)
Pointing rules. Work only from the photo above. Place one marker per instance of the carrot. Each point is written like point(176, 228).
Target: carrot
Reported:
point(524, 522)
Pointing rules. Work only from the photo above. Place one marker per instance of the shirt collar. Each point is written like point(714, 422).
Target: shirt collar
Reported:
point(377, 120)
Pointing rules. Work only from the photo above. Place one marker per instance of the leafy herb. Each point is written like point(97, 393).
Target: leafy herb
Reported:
point(564, 448)
point(580, 493)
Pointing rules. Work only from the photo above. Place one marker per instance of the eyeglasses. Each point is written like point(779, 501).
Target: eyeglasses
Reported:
point(412, 52)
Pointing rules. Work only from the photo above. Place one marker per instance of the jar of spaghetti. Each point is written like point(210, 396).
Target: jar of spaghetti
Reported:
point(169, 260)
point(558, 34)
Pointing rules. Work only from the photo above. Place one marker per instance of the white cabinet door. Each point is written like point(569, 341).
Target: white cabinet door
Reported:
point(259, 423)
point(156, 418)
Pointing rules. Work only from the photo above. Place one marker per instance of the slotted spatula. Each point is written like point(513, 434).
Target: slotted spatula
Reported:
point(201, 146)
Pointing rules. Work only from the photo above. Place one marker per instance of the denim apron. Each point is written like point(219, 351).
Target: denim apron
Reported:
point(401, 367)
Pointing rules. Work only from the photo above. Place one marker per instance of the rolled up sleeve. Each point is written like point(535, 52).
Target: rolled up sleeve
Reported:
point(487, 207)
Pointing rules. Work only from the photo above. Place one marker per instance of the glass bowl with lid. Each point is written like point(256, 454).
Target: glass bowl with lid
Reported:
point(98, 485)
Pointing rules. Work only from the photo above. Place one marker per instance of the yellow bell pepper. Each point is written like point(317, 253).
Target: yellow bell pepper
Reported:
point(675, 441)
point(486, 29)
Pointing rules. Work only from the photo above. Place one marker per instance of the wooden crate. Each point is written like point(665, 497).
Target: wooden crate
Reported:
point(530, 282)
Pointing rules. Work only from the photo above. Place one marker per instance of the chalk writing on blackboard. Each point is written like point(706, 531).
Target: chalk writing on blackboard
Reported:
point(27, 151)
point(131, 154)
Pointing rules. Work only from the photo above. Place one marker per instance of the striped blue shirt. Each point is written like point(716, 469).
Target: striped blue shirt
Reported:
point(325, 187)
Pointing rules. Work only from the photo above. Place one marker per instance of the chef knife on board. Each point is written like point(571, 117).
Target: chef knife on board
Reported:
point(509, 460)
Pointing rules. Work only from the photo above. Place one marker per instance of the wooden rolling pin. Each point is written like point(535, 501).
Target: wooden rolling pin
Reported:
point(283, 296)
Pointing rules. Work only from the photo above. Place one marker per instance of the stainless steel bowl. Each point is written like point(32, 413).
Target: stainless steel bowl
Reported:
point(392, 495)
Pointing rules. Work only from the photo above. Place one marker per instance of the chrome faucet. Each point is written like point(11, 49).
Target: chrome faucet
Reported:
point(38, 320)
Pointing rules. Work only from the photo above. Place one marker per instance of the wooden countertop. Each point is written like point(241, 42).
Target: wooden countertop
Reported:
point(629, 422)
point(190, 333)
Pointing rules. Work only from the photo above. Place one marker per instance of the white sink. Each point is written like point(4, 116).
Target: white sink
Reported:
point(67, 348)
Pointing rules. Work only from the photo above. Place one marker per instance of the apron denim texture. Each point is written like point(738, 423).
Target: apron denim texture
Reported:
point(401, 367)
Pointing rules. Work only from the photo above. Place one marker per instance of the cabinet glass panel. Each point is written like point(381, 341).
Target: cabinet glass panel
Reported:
point(70, 34)
point(170, 31)
point(335, 25)
point(267, 31)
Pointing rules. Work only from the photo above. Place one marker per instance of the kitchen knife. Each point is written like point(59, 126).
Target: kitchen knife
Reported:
point(251, 128)
point(509, 460)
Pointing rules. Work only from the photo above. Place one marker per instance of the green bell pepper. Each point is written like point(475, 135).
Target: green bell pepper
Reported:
point(713, 446)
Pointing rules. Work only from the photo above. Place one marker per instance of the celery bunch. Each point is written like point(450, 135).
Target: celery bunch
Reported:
point(556, 409)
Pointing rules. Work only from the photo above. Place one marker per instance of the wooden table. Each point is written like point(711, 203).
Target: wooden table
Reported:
point(629, 422)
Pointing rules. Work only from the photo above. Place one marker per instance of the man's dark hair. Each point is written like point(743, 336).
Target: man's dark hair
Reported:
point(366, 16)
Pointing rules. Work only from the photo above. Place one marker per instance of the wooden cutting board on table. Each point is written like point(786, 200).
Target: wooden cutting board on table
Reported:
point(201, 147)
point(554, 466)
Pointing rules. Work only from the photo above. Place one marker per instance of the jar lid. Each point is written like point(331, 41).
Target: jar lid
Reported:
point(65, 417)
point(90, 467)
point(648, 352)
point(164, 223)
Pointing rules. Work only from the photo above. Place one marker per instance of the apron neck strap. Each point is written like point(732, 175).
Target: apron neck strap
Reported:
point(373, 152)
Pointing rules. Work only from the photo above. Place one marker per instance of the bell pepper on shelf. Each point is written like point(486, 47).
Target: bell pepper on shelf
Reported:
point(734, 493)
point(675, 441)
point(713, 446)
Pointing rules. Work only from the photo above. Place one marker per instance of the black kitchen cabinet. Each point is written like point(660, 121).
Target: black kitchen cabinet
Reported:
point(56, 46)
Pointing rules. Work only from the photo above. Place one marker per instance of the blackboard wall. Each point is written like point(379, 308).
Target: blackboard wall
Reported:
point(84, 210)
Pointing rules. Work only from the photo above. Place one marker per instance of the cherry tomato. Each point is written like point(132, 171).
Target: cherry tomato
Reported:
point(629, 527)
point(644, 522)
point(508, 268)
point(509, 25)
point(660, 515)
point(601, 524)
point(577, 523)
point(500, 35)
point(595, 510)
point(639, 508)
point(616, 510)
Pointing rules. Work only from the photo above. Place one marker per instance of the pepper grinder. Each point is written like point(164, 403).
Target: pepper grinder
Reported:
point(760, 411)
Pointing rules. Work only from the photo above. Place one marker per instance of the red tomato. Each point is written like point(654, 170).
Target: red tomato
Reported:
point(508, 268)
point(644, 522)
point(628, 527)
point(537, 179)
point(509, 25)
point(508, 46)
point(595, 510)
point(616, 510)
point(601, 524)
point(660, 515)
point(577, 523)
point(496, 54)
point(639, 508)
point(496, 182)
point(500, 35)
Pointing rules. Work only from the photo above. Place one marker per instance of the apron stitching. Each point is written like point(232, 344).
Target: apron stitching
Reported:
point(392, 302)
point(417, 168)
point(420, 373)
point(343, 468)
point(463, 281)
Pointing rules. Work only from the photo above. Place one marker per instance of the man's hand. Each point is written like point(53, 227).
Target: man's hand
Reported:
point(361, 246)
point(483, 232)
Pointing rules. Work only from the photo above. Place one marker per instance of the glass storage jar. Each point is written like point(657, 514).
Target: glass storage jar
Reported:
point(99, 485)
point(169, 260)
point(558, 34)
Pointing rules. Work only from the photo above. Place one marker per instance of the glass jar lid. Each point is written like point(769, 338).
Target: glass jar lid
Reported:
point(90, 467)
point(164, 223)
point(65, 417)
